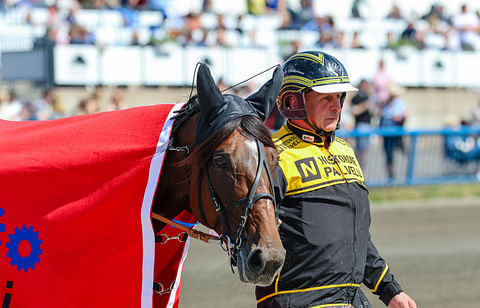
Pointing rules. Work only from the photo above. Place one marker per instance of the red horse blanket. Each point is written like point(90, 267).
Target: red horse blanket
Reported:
point(75, 205)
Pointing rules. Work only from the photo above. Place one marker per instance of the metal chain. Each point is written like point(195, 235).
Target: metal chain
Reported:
point(159, 288)
point(164, 238)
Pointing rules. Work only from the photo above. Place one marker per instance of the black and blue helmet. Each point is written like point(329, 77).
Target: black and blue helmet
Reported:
point(307, 71)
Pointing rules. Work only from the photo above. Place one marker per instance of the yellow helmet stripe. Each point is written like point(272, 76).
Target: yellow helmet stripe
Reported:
point(318, 59)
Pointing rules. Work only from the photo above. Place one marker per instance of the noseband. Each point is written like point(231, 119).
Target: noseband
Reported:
point(233, 248)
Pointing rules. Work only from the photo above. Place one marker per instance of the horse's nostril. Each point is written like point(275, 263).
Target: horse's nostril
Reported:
point(256, 261)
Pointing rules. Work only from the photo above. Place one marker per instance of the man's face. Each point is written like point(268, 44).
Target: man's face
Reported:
point(323, 109)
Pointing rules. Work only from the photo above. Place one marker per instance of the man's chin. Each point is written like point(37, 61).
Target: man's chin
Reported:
point(330, 128)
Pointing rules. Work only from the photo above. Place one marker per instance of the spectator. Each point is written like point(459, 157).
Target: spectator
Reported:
point(101, 5)
point(245, 37)
point(135, 41)
point(221, 25)
point(12, 107)
point(47, 43)
point(272, 6)
point(437, 12)
point(58, 107)
point(256, 7)
point(467, 24)
point(134, 4)
point(420, 40)
point(79, 35)
point(393, 114)
point(326, 41)
point(461, 147)
point(28, 112)
point(328, 33)
point(391, 42)
point(381, 80)
point(117, 100)
point(71, 17)
point(53, 16)
point(48, 40)
point(192, 32)
point(439, 30)
point(355, 12)
point(476, 115)
point(239, 25)
point(356, 41)
point(44, 105)
point(411, 37)
point(49, 106)
point(129, 11)
point(339, 39)
point(165, 7)
point(3, 99)
point(222, 85)
point(395, 13)
point(301, 16)
point(321, 24)
point(361, 109)
point(221, 35)
point(409, 33)
point(88, 105)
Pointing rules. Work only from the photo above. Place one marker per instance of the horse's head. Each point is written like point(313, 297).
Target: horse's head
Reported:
point(232, 189)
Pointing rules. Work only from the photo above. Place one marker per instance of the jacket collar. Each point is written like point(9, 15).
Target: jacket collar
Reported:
point(305, 135)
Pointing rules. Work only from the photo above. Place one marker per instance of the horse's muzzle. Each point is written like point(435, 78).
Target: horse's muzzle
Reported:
point(261, 266)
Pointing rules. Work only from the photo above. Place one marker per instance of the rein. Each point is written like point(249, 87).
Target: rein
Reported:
point(199, 235)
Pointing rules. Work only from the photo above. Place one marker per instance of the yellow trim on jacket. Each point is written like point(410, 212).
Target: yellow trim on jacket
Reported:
point(307, 290)
point(380, 279)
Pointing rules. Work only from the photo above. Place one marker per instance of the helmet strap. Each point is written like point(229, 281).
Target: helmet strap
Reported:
point(328, 136)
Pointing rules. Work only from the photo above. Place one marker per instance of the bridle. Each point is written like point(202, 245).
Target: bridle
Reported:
point(233, 247)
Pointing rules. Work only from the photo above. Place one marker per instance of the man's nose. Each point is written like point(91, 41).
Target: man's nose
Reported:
point(335, 105)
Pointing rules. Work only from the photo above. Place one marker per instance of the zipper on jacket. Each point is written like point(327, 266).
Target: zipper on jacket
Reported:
point(354, 209)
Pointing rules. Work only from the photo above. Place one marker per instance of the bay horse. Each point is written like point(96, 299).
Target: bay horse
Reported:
point(218, 167)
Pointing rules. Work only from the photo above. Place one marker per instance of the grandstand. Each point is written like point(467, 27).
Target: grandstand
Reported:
point(150, 49)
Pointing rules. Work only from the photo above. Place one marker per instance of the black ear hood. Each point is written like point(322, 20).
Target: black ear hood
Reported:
point(216, 109)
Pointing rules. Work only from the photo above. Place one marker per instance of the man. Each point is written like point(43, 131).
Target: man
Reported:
point(324, 206)
point(392, 114)
point(361, 107)
point(467, 24)
point(12, 107)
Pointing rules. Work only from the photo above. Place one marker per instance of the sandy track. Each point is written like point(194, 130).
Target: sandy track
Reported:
point(433, 249)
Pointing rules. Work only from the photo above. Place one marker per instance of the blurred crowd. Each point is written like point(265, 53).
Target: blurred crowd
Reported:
point(186, 25)
point(49, 105)
point(378, 104)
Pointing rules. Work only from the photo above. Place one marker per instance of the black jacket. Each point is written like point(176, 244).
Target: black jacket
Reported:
point(325, 215)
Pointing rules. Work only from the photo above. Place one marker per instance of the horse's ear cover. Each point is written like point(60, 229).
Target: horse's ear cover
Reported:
point(264, 99)
point(216, 109)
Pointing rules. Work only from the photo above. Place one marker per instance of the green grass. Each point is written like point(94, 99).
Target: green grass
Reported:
point(425, 192)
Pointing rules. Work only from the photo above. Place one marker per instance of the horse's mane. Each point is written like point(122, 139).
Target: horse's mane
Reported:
point(185, 113)
point(250, 126)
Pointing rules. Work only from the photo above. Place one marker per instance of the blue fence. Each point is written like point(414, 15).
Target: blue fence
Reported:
point(422, 156)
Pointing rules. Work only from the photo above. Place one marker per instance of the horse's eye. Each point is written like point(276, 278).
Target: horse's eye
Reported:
point(221, 161)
